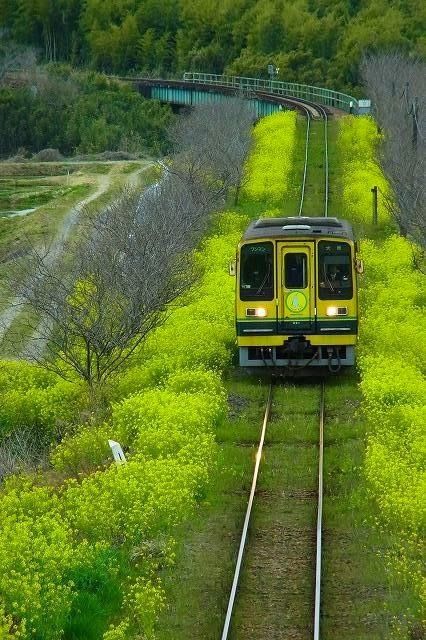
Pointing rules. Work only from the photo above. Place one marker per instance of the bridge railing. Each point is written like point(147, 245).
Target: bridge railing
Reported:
point(291, 89)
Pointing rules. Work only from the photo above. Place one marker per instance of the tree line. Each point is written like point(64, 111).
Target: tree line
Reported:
point(75, 111)
point(397, 87)
point(317, 42)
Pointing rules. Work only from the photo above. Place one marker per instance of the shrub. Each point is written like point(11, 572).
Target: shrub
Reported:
point(207, 383)
point(40, 551)
point(165, 407)
point(21, 375)
point(83, 451)
point(117, 632)
point(270, 163)
point(145, 600)
point(192, 411)
point(48, 155)
point(135, 379)
point(132, 501)
point(49, 410)
point(388, 382)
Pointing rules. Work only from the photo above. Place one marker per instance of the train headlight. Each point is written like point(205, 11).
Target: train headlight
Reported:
point(258, 312)
point(337, 311)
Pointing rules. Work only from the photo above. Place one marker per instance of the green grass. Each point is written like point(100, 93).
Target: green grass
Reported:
point(315, 177)
point(130, 167)
point(198, 587)
point(315, 181)
point(40, 225)
point(56, 199)
point(275, 597)
point(64, 168)
point(275, 594)
point(99, 596)
point(335, 187)
point(291, 202)
point(19, 197)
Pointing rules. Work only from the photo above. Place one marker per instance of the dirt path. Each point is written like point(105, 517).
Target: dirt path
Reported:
point(104, 182)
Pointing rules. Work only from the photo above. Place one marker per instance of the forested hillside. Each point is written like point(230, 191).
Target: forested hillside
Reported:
point(78, 112)
point(311, 41)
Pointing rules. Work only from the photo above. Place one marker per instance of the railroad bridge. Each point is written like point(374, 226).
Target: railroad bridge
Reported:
point(267, 96)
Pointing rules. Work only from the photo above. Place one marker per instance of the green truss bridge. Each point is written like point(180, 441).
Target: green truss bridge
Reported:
point(267, 96)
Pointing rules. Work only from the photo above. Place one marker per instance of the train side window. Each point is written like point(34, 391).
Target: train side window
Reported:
point(334, 271)
point(295, 271)
point(257, 271)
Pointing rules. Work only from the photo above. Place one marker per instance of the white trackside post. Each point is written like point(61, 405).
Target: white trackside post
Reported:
point(117, 452)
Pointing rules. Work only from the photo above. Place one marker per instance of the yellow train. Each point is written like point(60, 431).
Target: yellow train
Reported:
point(296, 293)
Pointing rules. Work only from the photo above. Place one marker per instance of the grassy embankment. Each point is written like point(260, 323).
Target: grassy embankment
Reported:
point(392, 360)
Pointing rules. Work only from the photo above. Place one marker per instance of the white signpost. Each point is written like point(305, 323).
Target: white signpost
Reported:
point(117, 452)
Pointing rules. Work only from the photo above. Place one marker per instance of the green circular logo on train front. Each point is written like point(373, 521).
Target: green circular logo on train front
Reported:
point(296, 301)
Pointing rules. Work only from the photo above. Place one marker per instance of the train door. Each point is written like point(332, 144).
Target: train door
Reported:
point(296, 288)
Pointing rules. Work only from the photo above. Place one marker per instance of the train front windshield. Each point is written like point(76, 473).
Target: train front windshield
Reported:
point(334, 271)
point(256, 271)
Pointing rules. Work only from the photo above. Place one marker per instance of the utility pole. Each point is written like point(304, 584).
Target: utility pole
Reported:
point(415, 113)
point(374, 191)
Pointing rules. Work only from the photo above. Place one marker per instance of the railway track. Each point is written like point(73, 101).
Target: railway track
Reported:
point(245, 537)
point(315, 111)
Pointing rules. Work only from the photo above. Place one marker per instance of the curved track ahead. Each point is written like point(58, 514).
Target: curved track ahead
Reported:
point(322, 113)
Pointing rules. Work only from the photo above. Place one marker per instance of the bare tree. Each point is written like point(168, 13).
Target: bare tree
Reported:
point(397, 86)
point(214, 142)
point(23, 450)
point(95, 303)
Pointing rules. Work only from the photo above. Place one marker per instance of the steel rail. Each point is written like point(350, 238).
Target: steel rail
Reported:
point(326, 187)
point(317, 608)
point(305, 169)
point(231, 600)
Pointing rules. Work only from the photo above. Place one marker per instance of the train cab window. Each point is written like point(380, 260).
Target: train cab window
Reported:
point(334, 271)
point(295, 271)
point(257, 271)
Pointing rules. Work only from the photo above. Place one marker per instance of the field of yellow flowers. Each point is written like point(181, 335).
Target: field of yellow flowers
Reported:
point(84, 541)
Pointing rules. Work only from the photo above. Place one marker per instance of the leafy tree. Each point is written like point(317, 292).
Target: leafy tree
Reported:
point(378, 27)
point(19, 125)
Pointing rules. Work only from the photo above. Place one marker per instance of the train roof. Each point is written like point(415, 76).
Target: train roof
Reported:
point(298, 226)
